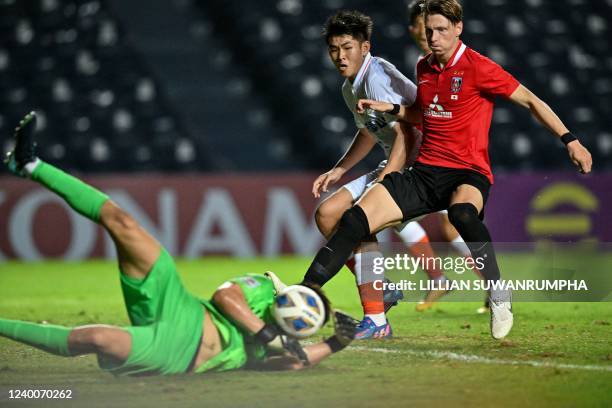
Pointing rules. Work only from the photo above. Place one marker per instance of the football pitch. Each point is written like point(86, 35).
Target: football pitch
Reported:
point(557, 355)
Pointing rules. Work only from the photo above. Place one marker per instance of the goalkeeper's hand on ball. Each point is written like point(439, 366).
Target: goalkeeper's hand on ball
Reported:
point(345, 327)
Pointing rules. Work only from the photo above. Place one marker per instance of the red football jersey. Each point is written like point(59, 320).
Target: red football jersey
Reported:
point(457, 103)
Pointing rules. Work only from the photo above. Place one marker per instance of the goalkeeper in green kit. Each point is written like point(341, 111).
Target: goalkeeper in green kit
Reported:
point(172, 331)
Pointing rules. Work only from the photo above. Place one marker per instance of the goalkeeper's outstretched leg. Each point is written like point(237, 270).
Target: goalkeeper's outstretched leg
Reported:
point(137, 250)
point(107, 342)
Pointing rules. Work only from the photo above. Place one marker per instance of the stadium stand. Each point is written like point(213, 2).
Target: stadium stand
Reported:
point(563, 57)
point(97, 100)
point(103, 97)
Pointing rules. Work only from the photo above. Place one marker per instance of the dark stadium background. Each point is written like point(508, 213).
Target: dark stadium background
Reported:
point(234, 89)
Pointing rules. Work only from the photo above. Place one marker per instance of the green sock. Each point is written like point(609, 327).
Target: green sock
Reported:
point(47, 337)
point(83, 198)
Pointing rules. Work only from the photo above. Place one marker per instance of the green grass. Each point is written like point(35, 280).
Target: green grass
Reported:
point(416, 372)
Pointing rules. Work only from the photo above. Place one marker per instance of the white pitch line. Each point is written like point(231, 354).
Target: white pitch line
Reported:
point(470, 358)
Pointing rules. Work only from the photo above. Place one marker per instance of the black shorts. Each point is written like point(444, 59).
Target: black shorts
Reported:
point(424, 189)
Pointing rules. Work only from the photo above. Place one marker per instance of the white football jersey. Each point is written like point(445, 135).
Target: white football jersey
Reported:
point(379, 80)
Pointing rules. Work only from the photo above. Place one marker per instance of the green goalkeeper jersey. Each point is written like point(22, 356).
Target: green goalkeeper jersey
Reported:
point(167, 320)
point(238, 345)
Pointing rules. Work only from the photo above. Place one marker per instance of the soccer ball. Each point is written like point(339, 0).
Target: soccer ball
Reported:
point(299, 311)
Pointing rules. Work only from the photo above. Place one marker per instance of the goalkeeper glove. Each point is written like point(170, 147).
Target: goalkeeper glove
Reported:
point(345, 328)
point(276, 341)
point(295, 349)
point(267, 334)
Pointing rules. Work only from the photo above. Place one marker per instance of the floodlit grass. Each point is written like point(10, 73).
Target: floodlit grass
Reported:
point(558, 354)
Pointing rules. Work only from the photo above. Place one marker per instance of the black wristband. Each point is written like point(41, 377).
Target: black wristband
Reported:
point(395, 110)
point(334, 344)
point(568, 137)
point(266, 334)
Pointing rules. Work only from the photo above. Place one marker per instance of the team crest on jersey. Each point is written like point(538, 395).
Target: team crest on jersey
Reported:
point(456, 83)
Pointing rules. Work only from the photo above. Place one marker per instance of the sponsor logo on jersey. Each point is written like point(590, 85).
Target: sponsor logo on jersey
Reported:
point(456, 83)
point(436, 110)
point(253, 283)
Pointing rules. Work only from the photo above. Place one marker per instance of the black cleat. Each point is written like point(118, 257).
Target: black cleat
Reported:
point(391, 297)
point(25, 147)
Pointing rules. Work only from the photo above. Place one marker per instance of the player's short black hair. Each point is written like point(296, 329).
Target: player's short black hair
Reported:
point(324, 299)
point(348, 22)
point(415, 10)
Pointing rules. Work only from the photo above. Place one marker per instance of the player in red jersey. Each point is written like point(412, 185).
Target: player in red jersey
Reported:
point(455, 96)
point(416, 29)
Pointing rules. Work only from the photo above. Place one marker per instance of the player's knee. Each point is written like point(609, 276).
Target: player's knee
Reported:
point(354, 222)
point(326, 218)
point(100, 340)
point(462, 215)
point(92, 338)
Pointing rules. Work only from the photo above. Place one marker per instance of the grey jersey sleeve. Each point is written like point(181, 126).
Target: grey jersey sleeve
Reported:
point(390, 85)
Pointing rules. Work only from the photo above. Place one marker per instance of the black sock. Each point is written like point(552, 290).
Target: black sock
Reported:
point(464, 217)
point(352, 229)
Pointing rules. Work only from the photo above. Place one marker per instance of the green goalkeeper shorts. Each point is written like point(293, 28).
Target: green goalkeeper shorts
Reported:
point(166, 322)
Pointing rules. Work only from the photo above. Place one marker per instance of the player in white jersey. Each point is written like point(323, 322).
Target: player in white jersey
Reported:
point(347, 34)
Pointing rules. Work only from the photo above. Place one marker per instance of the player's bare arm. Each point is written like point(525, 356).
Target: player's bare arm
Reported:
point(579, 155)
point(362, 144)
point(286, 352)
point(230, 301)
point(409, 114)
point(314, 354)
